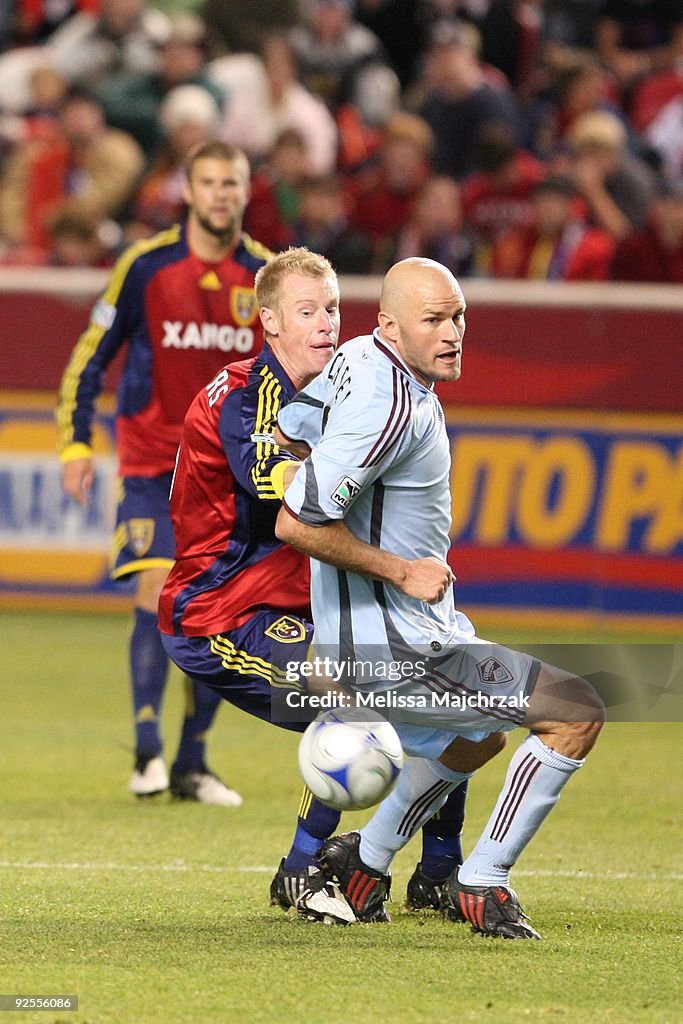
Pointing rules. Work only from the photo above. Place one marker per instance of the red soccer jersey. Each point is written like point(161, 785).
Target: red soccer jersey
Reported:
point(490, 208)
point(182, 319)
point(229, 563)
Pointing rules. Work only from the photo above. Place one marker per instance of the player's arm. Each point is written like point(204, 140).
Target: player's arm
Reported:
point(299, 449)
point(82, 381)
point(246, 425)
point(426, 579)
point(325, 488)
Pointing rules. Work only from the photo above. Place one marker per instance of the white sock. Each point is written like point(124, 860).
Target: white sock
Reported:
point(421, 790)
point(532, 787)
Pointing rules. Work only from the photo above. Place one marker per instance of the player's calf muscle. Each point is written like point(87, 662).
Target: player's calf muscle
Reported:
point(463, 755)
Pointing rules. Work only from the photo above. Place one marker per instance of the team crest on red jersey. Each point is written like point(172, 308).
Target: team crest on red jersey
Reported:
point(493, 671)
point(140, 535)
point(243, 305)
point(287, 630)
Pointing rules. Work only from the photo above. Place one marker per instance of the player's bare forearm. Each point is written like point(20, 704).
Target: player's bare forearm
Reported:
point(426, 579)
point(299, 449)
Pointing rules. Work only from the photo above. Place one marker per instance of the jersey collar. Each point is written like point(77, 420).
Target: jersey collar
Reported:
point(269, 359)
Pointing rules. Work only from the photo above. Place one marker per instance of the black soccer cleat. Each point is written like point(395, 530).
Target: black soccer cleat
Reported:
point(490, 909)
point(425, 893)
point(312, 893)
point(288, 886)
point(365, 890)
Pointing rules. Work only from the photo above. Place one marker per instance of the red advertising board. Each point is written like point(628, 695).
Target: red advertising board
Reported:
point(566, 431)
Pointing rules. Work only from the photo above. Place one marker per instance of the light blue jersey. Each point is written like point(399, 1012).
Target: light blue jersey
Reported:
point(381, 462)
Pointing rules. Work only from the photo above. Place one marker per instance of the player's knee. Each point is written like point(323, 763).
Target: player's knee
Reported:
point(580, 737)
point(574, 734)
point(465, 756)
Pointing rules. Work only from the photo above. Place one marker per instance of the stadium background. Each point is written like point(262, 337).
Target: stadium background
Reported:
point(566, 435)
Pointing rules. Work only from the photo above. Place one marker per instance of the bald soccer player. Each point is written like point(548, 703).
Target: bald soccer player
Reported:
point(371, 506)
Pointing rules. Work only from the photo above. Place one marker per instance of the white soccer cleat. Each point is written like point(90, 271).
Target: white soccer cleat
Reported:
point(204, 788)
point(149, 777)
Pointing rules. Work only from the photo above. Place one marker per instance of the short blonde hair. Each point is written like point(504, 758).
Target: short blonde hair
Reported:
point(296, 260)
point(405, 127)
point(598, 128)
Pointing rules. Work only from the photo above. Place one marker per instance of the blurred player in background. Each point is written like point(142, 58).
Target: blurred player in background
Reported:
point(235, 608)
point(375, 491)
point(183, 302)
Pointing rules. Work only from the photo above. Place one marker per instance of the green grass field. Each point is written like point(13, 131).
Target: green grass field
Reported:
point(157, 913)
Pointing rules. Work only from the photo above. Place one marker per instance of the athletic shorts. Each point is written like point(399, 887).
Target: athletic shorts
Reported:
point(470, 690)
point(248, 666)
point(143, 538)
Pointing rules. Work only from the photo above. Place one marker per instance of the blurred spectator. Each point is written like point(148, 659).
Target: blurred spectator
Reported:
point(36, 20)
point(236, 27)
point(275, 191)
point(343, 62)
point(616, 185)
point(384, 192)
point(498, 197)
point(188, 117)
point(435, 229)
point(460, 104)
point(511, 41)
point(657, 113)
point(276, 101)
point(577, 89)
point(131, 102)
point(124, 38)
point(323, 226)
point(402, 28)
point(48, 89)
point(656, 253)
point(569, 28)
point(86, 169)
point(77, 242)
point(664, 135)
point(634, 37)
point(7, 21)
point(557, 245)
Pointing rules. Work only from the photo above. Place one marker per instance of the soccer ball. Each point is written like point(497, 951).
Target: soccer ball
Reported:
point(349, 761)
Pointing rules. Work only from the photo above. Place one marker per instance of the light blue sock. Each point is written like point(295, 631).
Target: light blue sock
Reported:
point(422, 788)
point(532, 787)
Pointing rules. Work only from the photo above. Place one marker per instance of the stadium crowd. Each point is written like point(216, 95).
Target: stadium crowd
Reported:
point(528, 139)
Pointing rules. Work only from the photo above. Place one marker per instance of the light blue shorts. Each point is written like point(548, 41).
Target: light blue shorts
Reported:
point(470, 690)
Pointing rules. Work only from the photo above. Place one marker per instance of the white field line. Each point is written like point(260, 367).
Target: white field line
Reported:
point(181, 868)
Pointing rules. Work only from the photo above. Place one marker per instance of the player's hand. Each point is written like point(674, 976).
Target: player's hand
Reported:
point(427, 579)
point(77, 479)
